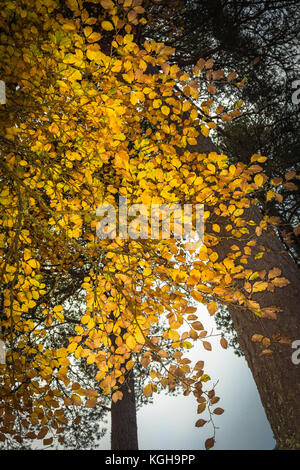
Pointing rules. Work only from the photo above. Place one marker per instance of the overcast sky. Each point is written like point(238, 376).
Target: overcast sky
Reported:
point(169, 423)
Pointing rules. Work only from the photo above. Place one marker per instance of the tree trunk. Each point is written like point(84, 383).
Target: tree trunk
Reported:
point(123, 412)
point(123, 418)
point(276, 376)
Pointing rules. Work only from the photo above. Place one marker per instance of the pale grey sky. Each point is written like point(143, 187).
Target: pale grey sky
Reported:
point(169, 423)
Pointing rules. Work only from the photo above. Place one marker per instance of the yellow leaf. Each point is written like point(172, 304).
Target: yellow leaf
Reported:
point(53, 128)
point(91, 403)
point(93, 53)
point(147, 271)
point(94, 37)
point(173, 335)
point(280, 282)
point(118, 395)
point(76, 400)
point(107, 26)
point(201, 407)
point(196, 295)
point(62, 352)
point(212, 308)
point(259, 286)
point(72, 4)
point(121, 160)
point(204, 378)
point(85, 319)
point(193, 114)
point(156, 103)
point(274, 273)
point(258, 180)
point(130, 341)
point(148, 390)
point(34, 263)
point(133, 98)
point(72, 347)
point(107, 4)
point(57, 308)
point(165, 110)
point(257, 338)
point(129, 77)
point(205, 130)
point(88, 31)
point(258, 158)
point(91, 358)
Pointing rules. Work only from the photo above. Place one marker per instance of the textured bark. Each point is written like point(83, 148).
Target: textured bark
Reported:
point(123, 418)
point(123, 412)
point(276, 377)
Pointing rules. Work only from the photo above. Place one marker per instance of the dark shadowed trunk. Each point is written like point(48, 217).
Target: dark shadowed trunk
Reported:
point(123, 412)
point(123, 418)
point(277, 377)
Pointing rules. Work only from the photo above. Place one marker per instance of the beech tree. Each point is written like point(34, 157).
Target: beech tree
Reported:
point(91, 117)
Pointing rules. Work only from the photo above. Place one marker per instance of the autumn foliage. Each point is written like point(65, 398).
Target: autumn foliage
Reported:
point(91, 116)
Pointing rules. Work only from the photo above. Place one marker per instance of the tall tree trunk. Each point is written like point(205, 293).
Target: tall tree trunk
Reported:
point(276, 376)
point(123, 418)
point(123, 412)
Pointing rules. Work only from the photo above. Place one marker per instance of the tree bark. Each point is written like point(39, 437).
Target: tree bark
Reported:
point(123, 418)
point(123, 412)
point(276, 376)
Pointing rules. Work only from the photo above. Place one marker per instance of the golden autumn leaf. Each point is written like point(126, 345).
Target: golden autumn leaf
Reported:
point(197, 325)
point(280, 282)
point(259, 286)
point(131, 342)
point(258, 180)
point(165, 110)
point(107, 4)
point(148, 390)
point(218, 411)
point(200, 422)
point(107, 25)
point(48, 442)
point(76, 400)
point(91, 403)
point(118, 395)
point(212, 308)
point(201, 407)
point(207, 345)
point(257, 337)
point(209, 443)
